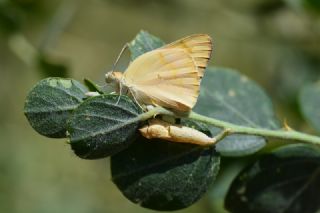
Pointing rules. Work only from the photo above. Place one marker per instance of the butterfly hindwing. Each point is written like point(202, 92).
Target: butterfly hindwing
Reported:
point(199, 46)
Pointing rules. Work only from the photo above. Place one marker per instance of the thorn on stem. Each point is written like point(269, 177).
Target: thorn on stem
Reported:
point(286, 127)
point(224, 133)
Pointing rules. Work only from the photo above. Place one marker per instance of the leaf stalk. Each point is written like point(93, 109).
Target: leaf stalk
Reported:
point(287, 134)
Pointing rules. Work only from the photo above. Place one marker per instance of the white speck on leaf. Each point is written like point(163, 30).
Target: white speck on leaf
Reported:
point(53, 83)
point(66, 83)
point(231, 93)
point(243, 79)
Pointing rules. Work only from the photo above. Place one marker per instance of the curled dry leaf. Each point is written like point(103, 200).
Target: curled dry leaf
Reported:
point(175, 133)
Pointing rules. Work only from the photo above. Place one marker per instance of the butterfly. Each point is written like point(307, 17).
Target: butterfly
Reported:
point(169, 76)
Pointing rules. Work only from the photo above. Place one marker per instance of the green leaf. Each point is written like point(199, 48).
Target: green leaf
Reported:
point(51, 68)
point(285, 85)
point(229, 96)
point(50, 103)
point(163, 175)
point(144, 42)
point(309, 100)
point(230, 168)
point(103, 125)
point(285, 181)
point(93, 87)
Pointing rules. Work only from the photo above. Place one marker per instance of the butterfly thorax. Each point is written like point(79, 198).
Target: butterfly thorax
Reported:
point(114, 77)
point(118, 79)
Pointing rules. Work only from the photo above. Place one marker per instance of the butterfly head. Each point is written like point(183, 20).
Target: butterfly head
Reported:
point(114, 77)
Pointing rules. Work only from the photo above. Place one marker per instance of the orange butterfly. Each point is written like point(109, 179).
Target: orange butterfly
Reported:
point(169, 76)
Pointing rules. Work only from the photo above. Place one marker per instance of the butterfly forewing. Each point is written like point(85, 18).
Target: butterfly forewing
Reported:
point(199, 46)
point(167, 77)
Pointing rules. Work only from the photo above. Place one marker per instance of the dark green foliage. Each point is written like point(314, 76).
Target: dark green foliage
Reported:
point(103, 125)
point(13, 14)
point(284, 181)
point(268, 7)
point(144, 3)
point(49, 68)
point(144, 42)
point(284, 83)
point(50, 103)
point(313, 4)
point(226, 95)
point(92, 86)
point(10, 19)
point(162, 175)
point(309, 101)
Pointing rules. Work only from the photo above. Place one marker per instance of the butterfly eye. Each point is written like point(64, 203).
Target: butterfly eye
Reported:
point(110, 77)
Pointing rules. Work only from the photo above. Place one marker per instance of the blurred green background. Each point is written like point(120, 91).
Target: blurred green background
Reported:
point(274, 42)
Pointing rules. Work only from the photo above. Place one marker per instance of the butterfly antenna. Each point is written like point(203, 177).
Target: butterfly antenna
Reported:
point(114, 67)
point(119, 56)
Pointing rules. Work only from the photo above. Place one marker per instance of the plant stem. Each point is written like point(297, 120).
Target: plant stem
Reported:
point(287, 134)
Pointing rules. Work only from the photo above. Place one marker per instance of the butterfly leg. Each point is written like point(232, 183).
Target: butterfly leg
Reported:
point(135, 99)
point(138, 102)
point(120, 91)
point(118, 100)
